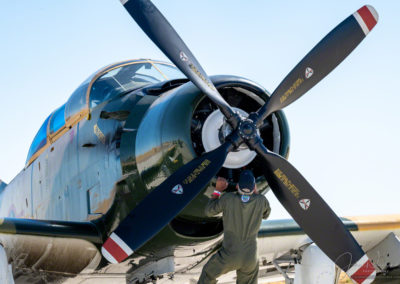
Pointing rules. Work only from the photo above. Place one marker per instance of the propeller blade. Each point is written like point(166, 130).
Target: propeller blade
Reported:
point(160, 31)
point(315, 216)
point(321, 60)
point(144, 221)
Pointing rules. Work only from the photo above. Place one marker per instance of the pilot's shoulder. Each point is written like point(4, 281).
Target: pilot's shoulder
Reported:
point(228, 195)
point(266, 201)
point(262, 198)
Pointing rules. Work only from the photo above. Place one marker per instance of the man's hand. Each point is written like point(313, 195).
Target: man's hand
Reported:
point(221, 184)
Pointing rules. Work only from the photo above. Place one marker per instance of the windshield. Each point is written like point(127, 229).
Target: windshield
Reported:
point(129, 77)
point(39, 141)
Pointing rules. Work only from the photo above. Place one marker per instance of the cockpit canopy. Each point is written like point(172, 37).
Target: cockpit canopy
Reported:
point(129, 77)
point(102, 86)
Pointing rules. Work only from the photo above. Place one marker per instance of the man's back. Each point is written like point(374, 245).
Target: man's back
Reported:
point(242, 214)
point(242, 217)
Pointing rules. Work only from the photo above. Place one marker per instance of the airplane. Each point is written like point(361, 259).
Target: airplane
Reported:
point(122, 170)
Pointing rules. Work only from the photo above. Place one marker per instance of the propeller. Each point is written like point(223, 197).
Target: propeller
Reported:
point(176, 192)
point(160, 31)
point(321, 60)
point(299, 198)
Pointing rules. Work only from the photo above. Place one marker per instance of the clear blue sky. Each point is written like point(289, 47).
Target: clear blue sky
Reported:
point(345, 131)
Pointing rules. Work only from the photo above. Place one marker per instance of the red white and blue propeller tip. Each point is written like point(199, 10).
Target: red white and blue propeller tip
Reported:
point(367, 17)
point(363, 271)
point(115, 249)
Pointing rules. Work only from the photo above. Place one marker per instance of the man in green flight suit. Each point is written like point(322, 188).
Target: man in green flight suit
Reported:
point(242, 212)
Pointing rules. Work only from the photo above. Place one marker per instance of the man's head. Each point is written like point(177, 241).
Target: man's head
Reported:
point(247, 183)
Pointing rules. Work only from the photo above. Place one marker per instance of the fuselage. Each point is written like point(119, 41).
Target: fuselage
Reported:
point(97, 156)
point(72, 166)
point(120, 134)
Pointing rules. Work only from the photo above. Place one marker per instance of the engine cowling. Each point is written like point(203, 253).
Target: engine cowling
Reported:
point(176, 128)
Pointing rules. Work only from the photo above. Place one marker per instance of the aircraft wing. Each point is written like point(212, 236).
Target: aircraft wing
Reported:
point(277, 239)
point(279, 236)
point(44, 245)
point(45, 228)
point(283, 241)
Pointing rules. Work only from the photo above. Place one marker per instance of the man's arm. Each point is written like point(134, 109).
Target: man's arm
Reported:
point(267, 209)
point(215, 205)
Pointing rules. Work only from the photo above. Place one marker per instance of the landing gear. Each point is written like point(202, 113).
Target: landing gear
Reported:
point(152, 271)
point(311, 266)
point(282, 271)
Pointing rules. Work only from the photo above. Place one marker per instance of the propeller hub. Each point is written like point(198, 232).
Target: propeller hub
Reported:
point(214, 132)
point(247, 129)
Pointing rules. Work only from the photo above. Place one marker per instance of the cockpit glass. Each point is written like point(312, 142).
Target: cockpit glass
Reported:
point(39, 141)
point(123, 79)
point(112, 82)
point(171, 72)
point(57, 120)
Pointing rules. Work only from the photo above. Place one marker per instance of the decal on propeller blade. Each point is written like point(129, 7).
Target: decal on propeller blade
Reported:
point(178, 189)
point(309, 72)
point(196, 172)
point(295, 85)
point(183, 56)
point(305, 204)
point(287, 182)
point(201, 76)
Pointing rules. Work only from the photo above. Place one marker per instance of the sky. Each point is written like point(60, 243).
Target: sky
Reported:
point(344, 132)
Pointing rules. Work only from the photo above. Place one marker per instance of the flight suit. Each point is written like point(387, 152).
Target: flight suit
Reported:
point(242, 220)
